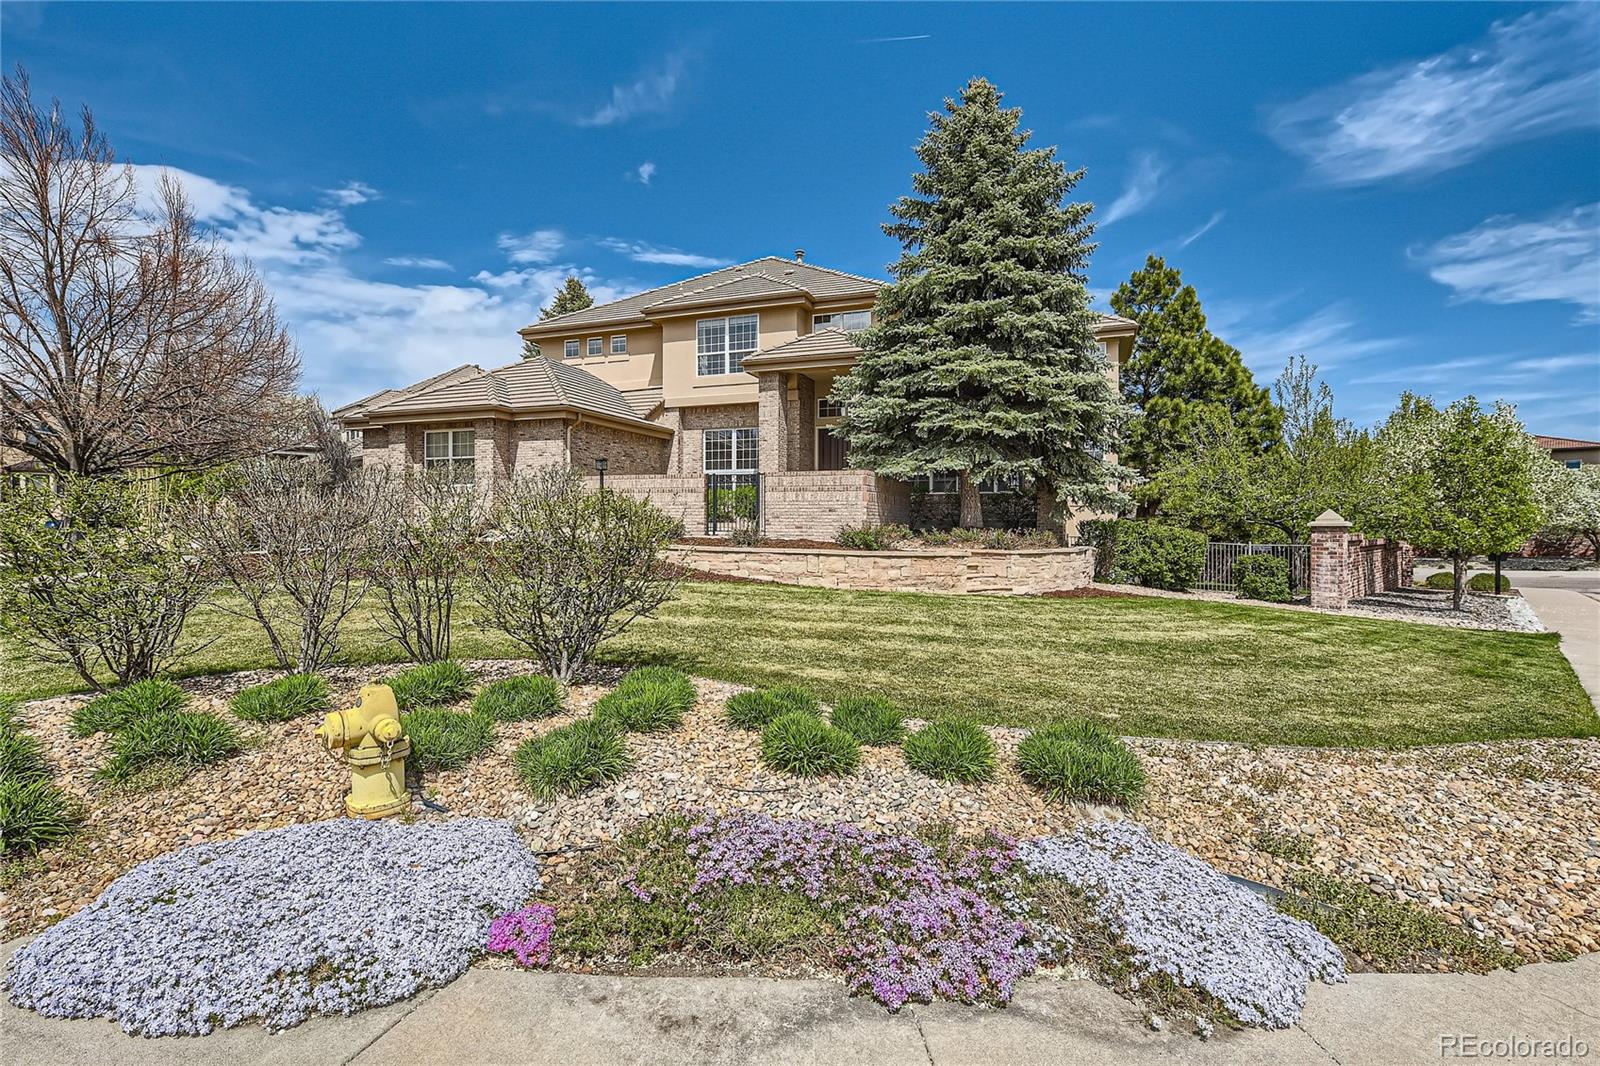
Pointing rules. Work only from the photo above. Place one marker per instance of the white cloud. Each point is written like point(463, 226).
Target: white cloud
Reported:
point(1507, 260)
point(641, 252)
point(895, 40)
point(644, 172)
point(650, 93)
point(1140, 190)
point(540, 246)
point(1526, 78)
point(1210, 224)
point(261, 234)
point(1328, 337)
point(421, 262)
point(351, 193)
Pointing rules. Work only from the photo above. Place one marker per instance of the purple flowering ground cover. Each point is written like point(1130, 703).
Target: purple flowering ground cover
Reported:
point(327, 918)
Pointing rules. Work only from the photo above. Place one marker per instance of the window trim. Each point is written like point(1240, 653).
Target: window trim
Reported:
point(831, 315)
point(733, 444)
point(596, 347)
point(615, 337)
point(455, 463)
point(572, 348)
point(823, 414)
point(727, 352)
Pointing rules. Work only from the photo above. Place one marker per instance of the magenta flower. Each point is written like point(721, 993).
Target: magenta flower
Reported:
point(525, 934)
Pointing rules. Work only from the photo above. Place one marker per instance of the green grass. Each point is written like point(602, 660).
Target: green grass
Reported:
point(1142, 666)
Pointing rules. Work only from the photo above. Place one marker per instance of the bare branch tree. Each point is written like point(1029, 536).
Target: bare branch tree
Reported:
point(429, 539)
point(128, 337)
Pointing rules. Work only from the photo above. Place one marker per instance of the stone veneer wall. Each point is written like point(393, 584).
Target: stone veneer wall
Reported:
point(955, 571)
point(816, 504)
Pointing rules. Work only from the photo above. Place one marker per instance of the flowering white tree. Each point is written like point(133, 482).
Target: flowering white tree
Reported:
point(1574, 503)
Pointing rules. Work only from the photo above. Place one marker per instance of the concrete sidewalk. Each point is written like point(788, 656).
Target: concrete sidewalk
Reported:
point(505, 1016)
point(1575, 614)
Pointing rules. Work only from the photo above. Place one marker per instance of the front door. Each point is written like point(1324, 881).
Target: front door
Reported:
point(831, 450)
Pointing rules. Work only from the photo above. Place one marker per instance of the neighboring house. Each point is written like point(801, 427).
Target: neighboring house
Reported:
point(1569, 452)
point(709, 381)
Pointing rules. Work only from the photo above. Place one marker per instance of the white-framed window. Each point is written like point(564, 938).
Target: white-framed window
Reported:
point(849, 321)
point(828, 407)
point(597, 346)
point(722, 343)
point(619, 344)
point(1574, 464)
point(731, 451)
point(450, 449)
point(570, 349)
point(945, 484)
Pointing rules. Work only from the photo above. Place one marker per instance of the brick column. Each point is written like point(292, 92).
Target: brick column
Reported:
point(772, 421)
point(1330, 561)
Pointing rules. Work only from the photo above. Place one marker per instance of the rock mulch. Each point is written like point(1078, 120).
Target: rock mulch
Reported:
point(1509, 614)
point(1499, 837)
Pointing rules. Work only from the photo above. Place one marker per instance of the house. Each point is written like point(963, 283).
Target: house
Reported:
point(1569, 452)
point(722, 380)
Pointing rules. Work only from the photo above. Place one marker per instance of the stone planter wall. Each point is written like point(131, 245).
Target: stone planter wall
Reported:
point(931, 570)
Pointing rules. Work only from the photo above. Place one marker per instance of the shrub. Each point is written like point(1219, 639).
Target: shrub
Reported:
point(21, 755)
point(519, 699)
point(443, 739)
point(121, 708)
point(1081, 761)
point(753, 710)
point(1097, 533)
point(993, 539)
point(282, 699)
point(648, 700)
point(803, 744)
point(1485, 583)
point(571, 759)
point(431, 684)
point(1156, 556)
point(572, 568)
point(872, 538)
point(184, 739)
point(1262, 577)
point(34, 813)
point(952, 749)
point(871, 720)
point(430, 534)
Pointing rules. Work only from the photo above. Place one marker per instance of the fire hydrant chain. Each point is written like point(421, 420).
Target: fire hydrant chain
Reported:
point(374, 745)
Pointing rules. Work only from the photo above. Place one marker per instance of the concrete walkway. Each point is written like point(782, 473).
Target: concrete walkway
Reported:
point(504, 1016)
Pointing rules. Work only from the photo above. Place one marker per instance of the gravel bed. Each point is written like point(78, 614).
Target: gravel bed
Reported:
point(1506, 613)
point(1500, 837)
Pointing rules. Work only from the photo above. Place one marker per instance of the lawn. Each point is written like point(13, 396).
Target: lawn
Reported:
point(1144, 666)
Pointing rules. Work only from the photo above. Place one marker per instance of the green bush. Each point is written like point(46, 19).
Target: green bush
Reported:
point(571, 759)
point(952, 749)
point(753, 710)
point(1475, 583)
point(283, 699)
point(431, 685)
point(183, 739)
point(803, 744)
point(651, 699)
point(1156, 556)
point(21, 755)
point(1097, 533)
point(122, 707)
point(993, 539)
point(870, 719)
point(33, 814)
point(520, 699)
point(443, 739)
point(1262, 577)
point(872, 538)
point(1081, 761)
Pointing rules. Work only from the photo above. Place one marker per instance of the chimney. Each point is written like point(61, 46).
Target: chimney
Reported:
point(799, 255)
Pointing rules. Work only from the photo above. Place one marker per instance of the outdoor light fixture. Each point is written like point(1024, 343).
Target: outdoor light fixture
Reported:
point(600, 465)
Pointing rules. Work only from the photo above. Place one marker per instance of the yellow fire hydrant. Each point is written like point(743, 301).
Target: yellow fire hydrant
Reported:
point(372, 744)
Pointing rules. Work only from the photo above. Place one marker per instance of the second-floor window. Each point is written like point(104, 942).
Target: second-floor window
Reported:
point(596, 346)
point(849, 321)
point(619, 345)
point(570, 349)
point(722, 343)
point(452, 450)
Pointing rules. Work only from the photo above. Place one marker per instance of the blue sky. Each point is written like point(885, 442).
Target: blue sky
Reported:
point(1407, 194)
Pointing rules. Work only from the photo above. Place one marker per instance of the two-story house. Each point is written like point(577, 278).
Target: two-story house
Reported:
point(716, 379)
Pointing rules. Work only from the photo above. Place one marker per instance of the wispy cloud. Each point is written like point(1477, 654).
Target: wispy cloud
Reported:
point(421, 262)
point(641, 252)
point(651, 92)
point(1506, 260)
point(644, 172)
point(1526, 78)
point(893, 40)
point(1330, 336)
point(351, 193)
point(1210, 224)
point(1140, 190)
point(540, 246)
point(260, 234)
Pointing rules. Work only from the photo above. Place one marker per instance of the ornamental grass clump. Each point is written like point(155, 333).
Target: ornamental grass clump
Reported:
point(34, 813)
point(218, 934)
point(122, 707)
point(282, 700)
point(1081, 761)
point(520, 699)
point(651, 699)
point(754, 710)
point(872, 720)
point(952, 749)
point(431, 685)
point(572, 759)
point(524, 934)
point(182, 740)
point(443, 739)
point(804, 745)
point(1183, 919)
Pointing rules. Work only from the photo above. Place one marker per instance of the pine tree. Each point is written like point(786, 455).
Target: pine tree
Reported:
point(573, 296)
point(983, 361)
point(1179, 370)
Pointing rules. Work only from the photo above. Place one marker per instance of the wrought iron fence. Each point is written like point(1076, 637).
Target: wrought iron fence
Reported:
point(1221, 555)
point(733, 504)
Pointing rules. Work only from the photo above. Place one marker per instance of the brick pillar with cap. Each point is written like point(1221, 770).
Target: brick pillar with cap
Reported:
point(1330, 561)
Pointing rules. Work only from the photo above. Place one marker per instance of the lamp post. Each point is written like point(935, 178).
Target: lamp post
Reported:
point(600, 466)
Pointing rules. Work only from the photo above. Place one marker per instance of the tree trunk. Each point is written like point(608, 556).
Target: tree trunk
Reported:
point(1459, 586)
point(971, 503)
point(1593, 537)
point(1048, 512)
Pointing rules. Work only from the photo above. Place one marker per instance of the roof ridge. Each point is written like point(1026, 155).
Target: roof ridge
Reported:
point(825, 270)
point(643, 292)
point(427, 385)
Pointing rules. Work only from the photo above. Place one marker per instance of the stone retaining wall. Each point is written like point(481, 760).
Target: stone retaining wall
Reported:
point(932, 570)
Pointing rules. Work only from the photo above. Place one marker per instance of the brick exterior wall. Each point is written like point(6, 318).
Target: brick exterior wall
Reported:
point(683, 498)
point(625, 453)
point(539, 442)
point(816, 504)
point(1346, 566)
point(688, 457)
point(995, 572)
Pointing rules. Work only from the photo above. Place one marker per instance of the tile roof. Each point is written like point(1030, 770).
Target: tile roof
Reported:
point(829, 341)
point(643, 401)
point(539, 383)
point(357, 408)
point(1554, 443)
point(741, 288)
